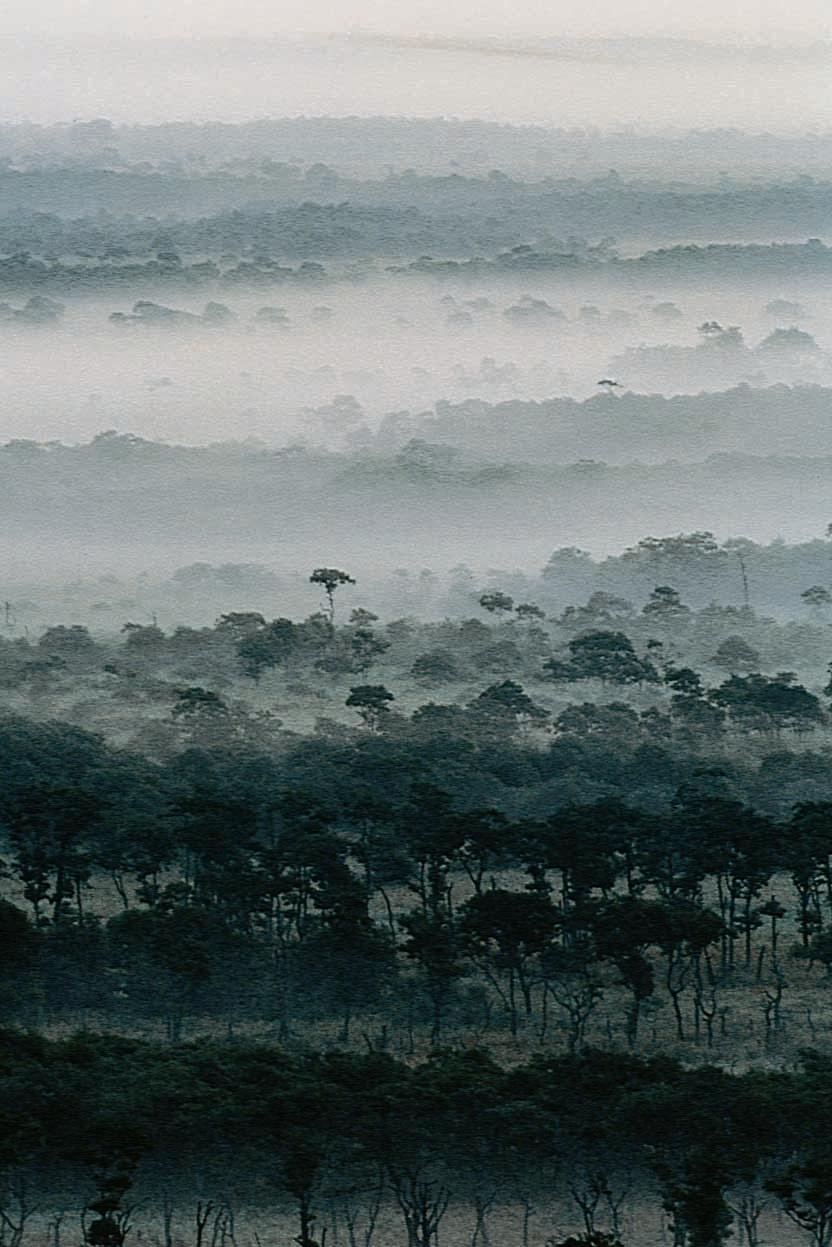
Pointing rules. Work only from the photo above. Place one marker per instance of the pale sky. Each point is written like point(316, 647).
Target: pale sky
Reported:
point(753, 19)
point(136, 79)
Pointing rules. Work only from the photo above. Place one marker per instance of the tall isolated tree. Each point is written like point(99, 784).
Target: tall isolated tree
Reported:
point(742, 549)
point(330, 579)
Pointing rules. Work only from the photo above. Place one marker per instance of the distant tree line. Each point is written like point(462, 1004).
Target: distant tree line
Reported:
point(23, 271)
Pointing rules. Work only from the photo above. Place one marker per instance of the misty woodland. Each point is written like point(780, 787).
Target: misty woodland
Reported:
point(415, 650)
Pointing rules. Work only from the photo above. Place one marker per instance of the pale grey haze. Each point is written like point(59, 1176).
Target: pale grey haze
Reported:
point(747, 18)
point(266, 284)
point(767, 65)
point(155, 80)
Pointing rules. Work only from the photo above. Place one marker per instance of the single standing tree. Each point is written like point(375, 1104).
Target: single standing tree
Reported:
point(370, 700)
point(330, 579)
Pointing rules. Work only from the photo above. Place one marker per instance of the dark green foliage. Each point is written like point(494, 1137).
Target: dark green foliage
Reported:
point(597, 1238)
point(261, 646)
point(609, 657)
point(121, 1108)
point(759, 703)
point(371, 702)
point(509, 701)
point(497, 603)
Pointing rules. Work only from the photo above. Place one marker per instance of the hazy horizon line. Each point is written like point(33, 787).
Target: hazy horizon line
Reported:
point(554, 45)
point(629, 129)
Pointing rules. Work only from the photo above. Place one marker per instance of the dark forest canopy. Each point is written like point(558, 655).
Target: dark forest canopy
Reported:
point(104, 1120)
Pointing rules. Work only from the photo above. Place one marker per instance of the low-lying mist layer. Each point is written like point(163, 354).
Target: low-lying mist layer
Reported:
point(327, 364)
point(120, 501)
